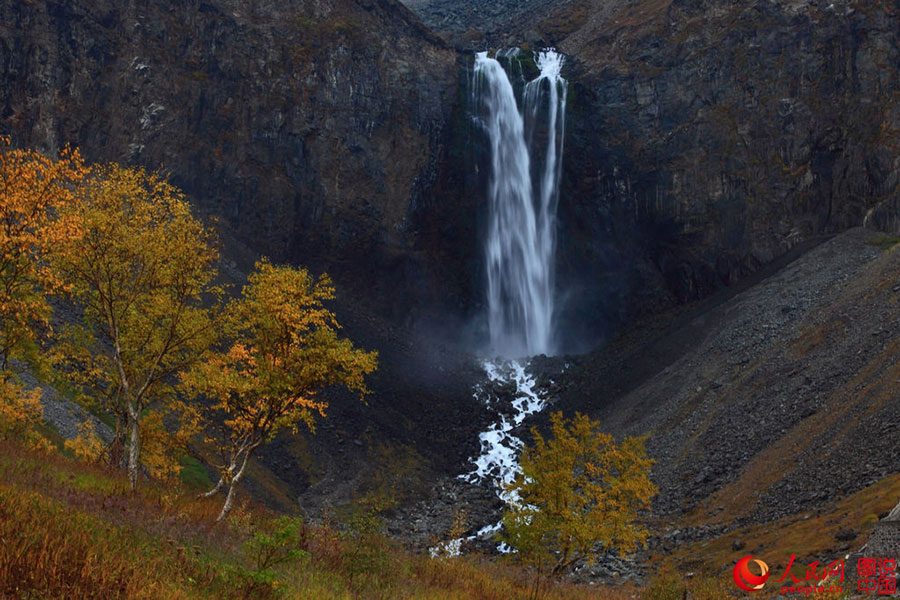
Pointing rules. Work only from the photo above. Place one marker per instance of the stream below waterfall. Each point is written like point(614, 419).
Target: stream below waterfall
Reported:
point(497, 463)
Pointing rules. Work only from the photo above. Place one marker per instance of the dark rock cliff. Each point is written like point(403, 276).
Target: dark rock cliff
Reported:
point(705, 137)
point(316, 132)
point(313, 129)
point(714, 136)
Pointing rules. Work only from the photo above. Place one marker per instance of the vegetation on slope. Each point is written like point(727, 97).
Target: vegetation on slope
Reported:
point(153, 348)
point(73, 530)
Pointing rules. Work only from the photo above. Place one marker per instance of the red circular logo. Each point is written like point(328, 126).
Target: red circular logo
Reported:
point(746, 580)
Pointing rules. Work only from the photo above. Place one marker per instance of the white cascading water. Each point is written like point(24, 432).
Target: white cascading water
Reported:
point(520, 252)
point(498, 463)
point(521, 236)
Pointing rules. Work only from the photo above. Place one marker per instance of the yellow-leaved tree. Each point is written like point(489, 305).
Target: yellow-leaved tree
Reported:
point(281, 349)
point(35, 191)
point(577, 491)
point(143, 272)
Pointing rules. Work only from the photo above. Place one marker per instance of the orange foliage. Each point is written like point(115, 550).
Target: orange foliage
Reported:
point(282, 349)
point(19, 411)
point(34, 191)
point(143, 272)
point(86, 446)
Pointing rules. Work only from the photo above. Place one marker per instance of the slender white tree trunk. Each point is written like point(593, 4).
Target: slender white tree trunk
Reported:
point(894, 515)
point(215, 490)
point(117, 447)
point(229, 500)
point(224, 476)
point(134, 450)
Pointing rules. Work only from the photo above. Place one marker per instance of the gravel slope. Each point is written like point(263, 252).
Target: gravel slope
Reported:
point(779, 400)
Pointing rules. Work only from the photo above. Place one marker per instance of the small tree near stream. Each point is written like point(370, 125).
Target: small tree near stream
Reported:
point(578, 491)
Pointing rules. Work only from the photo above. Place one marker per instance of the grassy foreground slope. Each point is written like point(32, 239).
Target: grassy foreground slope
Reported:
point(71, 530)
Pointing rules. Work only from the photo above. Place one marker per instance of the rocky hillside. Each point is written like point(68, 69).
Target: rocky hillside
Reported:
point(481, 23)
point(776, 401)
point(771, 410)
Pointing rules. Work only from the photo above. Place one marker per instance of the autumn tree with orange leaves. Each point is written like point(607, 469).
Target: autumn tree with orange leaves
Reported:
point(35, 192)
point(143, 273)
point(282, 349)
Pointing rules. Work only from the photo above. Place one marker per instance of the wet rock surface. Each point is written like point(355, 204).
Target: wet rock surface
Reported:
point(429, 521)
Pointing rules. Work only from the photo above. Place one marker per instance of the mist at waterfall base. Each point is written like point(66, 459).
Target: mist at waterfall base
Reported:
point(523, 120)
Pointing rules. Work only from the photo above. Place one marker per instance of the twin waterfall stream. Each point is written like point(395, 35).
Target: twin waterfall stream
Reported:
point(526, 160)
point(526, 150)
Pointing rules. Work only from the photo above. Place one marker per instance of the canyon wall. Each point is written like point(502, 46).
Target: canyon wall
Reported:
point(705, 138)
point(313, 130)
point(712, 137)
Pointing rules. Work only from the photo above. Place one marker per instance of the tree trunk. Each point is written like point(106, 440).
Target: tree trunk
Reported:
point(134, 450)
point(213, 491)
point(228, 473)
point(117, 447)
point(536, 587)
point(229, 500)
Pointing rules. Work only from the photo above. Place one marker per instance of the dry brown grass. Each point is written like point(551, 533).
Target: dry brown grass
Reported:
point(810, 536)
point(71, 530)
point(814, 336)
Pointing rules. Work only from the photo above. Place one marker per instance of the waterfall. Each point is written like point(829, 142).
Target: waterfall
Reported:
point(526, 151)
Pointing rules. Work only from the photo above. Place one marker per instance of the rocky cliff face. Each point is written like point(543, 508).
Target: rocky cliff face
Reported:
point(314, 129)
point(317, 132)
point(706, 137)
point(714, 136)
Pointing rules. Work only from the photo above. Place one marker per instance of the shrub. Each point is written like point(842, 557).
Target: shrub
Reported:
point(666, 585)
point(267, 551)
point(577, 491)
